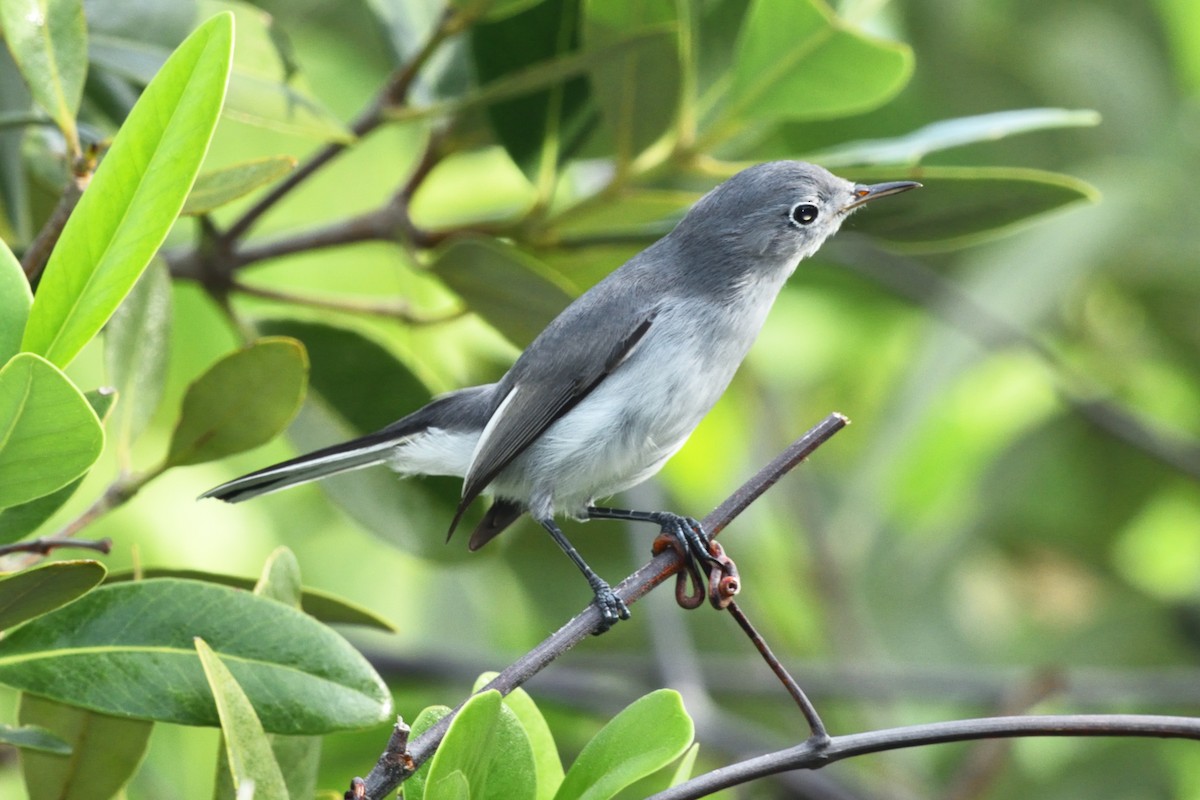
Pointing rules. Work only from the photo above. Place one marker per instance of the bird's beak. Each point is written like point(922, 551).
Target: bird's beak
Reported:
point(865, 194)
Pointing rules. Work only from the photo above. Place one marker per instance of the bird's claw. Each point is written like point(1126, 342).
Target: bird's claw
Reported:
point(612, 608)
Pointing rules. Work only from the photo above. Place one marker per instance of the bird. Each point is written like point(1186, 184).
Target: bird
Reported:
point(612, 388)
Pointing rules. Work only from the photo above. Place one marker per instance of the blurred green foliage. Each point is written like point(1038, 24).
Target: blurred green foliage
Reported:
point(1012, 522)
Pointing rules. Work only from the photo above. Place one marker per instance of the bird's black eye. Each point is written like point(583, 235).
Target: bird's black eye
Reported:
point(805, 213)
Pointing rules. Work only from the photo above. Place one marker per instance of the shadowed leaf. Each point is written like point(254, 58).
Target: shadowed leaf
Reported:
point(218, 187)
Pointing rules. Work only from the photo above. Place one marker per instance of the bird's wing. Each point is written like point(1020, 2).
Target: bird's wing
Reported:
point(550, 379)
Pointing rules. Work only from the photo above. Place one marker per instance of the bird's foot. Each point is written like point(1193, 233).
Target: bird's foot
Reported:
point(691, 537)
point(612, 608)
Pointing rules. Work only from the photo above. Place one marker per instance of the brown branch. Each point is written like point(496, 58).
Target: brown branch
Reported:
point(388, 309)
point(38, 253)
point(812, 755)
point(43, 547)
point(380, 782)
point(395, 93)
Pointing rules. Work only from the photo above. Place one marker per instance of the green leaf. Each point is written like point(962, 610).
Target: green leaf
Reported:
point(15, 216)
point(251, 761)
point(454, 786)
point(493, 9)
point(511, 291)
point(41, 589)
point(221, 186)
point(636, 112)
point(134, 197)
point(633, 209)
point(541, 129)
point(336, 409)
point(487, 744)
point(15, 299)
point(414, 787)
point(34, 737)
point(49, 435)
point(796, 60)
point(48, 40)
point(649, 734)
point(963, 205)
point(20, 520)
point(327, 608)
point(126, 648)
point(105, 751)
point(280, 579)
point(547, 765)
point(136, 347)
point(243, 401)
point(266, 90)
point(911, 148)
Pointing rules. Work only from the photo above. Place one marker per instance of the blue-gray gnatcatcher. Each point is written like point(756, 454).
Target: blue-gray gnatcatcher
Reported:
point(614, 386)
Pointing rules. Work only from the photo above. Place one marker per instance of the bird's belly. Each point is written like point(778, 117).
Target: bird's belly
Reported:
point(618, 436)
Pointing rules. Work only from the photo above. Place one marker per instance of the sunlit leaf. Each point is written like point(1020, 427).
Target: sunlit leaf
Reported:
point(18, 521)
point(45, 587)
point(547, 765)
point(323, 606)
point(136, 346)
point(429, 716)
point(15, 299)
point(105, 751)
point(247, 748)
point(48, 40)
point(796, 60)
point(511, 291)
point(134, 197)
point(218, 187)
point(127, 649)
point(488, 746)
point(244, 400)
point(649, 734)
point(280, 579)
point(49, 435)
point(911, 148)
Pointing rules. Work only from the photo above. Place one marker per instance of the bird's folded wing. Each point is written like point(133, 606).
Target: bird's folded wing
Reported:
point(543, 389)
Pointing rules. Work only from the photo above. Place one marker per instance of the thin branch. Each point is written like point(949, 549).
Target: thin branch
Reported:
point(814, 755)
point(377, 225)
point(38, 253)
point(395, 93)
point(43, 547)
point(393, 309)
point(636, 586)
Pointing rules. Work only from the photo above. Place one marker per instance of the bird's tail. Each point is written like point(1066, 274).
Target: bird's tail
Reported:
point(355, 454)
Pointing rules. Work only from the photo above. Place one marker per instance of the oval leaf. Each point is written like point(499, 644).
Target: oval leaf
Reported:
point(488, 747)
point(963, 205)
point(48, 40)
point(327, 608)
point(105, 751)
point(49, 435)
point(911, 148)
point(796, 60)
point(243, 401)
point(134, 197)
point(16, 522)
point(547, 764)
point(247, 749)
point(649, 734)
point(280, 579)
point(127, 648)
point(218, 187)
point(514, 293)
point(15, 299)
point(41, 589)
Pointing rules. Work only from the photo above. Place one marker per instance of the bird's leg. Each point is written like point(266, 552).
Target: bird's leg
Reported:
point(612, 608)
point(687, 531)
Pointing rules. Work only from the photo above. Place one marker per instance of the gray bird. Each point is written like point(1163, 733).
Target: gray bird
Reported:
point(614, 386)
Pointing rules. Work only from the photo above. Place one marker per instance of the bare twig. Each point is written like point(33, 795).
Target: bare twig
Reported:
point(43, 547)
point(813, 755)
point(395, 93)
point(636, 586)
point(389, 309)
point(38, 253)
